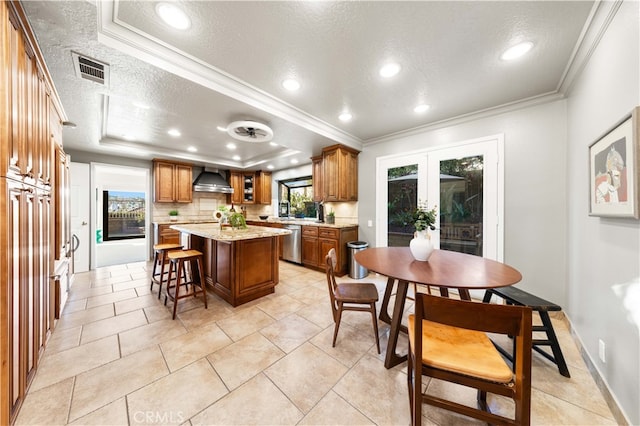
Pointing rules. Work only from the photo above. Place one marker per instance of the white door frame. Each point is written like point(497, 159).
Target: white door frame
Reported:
point(492, 149)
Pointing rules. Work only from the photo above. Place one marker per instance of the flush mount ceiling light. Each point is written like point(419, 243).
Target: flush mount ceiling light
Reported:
point(192, 149)
point(345, 116)
point(174, 132)
point(516, 51)
point(291, 84)
point(421, 108)
point(389, 70)
point(173, 16)
point(250, 131)
point(231, 146)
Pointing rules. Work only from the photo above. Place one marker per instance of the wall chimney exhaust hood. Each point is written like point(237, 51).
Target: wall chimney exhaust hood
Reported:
point(211, 181)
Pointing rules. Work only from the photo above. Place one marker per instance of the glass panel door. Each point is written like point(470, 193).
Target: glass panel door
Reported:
point(402, 192)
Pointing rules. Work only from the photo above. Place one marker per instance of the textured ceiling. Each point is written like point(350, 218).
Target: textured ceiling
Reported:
point(230, 64)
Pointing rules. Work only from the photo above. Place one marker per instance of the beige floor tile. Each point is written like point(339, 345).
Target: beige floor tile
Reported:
point(257, 402)
point(48, 406)
point(131, 284)
point(84, 293)
point(144, 290)
point(62, 365)
point(105, 299)
point(64, 339)
point(178, 396)
point(87, 316)
point(318, 313)
point(376, 392)
point(280, 306)
point(199, 343)
point(114, 325)
point(334, 410)
point(306, 375)
point(74, 306)
point(290, 332)
point(244, 359)
point(351, 344)
point(114, 414)
point(245, 323)
point(135, 303)
point(149, 334)
point(548, 410)
point(101, 386)
point(217, 309)
point(311, 295)
point(157, 313)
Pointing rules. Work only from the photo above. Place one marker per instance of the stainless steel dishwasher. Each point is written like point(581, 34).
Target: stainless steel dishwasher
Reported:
point(292, 244)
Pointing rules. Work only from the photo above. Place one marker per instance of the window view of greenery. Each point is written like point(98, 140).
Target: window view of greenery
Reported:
point(460, 206)
point(123, 215)
point(299, 194)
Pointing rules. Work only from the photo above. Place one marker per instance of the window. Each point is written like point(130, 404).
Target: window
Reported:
point(123, 215)
point(298, 195)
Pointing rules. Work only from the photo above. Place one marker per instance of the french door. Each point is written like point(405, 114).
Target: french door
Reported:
point(464, 182)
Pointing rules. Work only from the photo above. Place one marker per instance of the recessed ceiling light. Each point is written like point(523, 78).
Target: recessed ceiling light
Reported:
point(291, 84)
point(421, 108)
point(231, 146)
point(294, 161)
point(236, 158)
point(345, 116)
point(273, 144)
point(270, 167)
point(173, 16)
point(129, 137)
point(141, 105)
point(174, 132)
point(516, 51)
point(222, 129)
point(192, 149)
point(389, 70)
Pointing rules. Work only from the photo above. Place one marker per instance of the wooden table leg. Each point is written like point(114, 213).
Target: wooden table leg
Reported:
point(384, 308)
point(392, 358)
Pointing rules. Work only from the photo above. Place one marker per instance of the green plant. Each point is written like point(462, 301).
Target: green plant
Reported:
point(173, 212)
point(237, 220)
point(424, 218)
point(331, 213)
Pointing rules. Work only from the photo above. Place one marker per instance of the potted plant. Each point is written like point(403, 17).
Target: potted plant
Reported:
point(423, 220)
point(237, 221)
point(331, 217)
point(173, 215)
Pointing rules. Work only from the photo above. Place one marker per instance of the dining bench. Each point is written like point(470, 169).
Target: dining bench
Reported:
point(515, 296)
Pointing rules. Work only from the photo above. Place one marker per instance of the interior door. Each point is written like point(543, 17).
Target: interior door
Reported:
point(80, 214)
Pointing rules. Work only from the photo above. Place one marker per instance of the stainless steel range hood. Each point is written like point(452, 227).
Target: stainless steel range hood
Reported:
point(211, 181)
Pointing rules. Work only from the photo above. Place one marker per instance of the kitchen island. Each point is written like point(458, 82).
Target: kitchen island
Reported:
point(239, 265)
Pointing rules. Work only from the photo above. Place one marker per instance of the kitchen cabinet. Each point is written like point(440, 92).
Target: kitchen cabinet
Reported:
point(318, 178)
point(250, 187)
point(318, 240)
point(163, 234)
point(172, 182)
point(34, 231)
point(270, 225)
point(335, 174)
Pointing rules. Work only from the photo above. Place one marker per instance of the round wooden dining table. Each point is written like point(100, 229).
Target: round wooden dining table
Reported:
point(444, 269)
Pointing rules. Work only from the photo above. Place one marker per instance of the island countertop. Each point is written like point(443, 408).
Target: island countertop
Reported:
point(214, 232)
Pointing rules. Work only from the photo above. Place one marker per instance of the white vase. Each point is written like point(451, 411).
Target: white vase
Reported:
point(421, 246)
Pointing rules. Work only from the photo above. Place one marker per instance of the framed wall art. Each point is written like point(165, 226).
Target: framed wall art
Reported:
point(613, 170)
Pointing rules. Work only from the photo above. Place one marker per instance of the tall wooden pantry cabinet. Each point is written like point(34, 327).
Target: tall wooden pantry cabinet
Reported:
point(34, 217)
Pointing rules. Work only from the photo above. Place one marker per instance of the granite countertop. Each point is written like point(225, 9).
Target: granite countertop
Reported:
point(213, 231)
point(305, 222)
point(180, 222)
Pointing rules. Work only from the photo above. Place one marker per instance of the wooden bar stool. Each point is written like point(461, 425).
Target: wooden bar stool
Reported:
point(177, 261)
point(160, 259)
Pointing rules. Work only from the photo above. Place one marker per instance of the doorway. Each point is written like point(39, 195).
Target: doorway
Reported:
point(80, 215)
point(465, 183)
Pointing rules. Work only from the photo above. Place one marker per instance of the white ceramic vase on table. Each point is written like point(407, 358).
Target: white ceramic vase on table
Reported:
point(421, 246)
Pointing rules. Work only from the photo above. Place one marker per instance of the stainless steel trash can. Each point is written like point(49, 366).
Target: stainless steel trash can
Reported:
point(356, 271)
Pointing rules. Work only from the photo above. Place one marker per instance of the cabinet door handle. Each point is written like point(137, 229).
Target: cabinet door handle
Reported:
point(55, 277)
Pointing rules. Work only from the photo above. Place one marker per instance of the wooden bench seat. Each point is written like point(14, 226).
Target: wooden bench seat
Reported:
point(515, 296)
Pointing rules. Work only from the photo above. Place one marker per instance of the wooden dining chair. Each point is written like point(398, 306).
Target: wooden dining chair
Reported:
point(350, 297)
point(447, 341)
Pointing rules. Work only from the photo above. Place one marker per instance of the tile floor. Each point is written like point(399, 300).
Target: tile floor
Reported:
point(117, 358)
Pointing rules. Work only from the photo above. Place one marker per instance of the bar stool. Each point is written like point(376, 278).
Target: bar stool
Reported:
point(160, 257)
point(177, 260)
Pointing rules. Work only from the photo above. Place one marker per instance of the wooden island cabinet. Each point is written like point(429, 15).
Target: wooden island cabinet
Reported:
point(34, 217)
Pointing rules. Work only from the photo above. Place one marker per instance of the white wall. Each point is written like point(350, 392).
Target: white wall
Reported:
point(604, 253)
point(535, 178)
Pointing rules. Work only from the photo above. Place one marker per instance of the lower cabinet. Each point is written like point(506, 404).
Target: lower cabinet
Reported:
point(318, 240)
point(163, 234)
point(270, 225)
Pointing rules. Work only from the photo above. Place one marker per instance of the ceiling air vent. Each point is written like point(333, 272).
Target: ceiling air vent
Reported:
point(91, 69)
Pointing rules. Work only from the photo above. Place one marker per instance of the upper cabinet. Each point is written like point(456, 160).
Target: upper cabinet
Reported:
point(172, 181)
point(250, 187)
point(335, 174)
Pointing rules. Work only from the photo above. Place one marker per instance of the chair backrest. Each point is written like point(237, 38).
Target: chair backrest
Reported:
point(331, 261)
